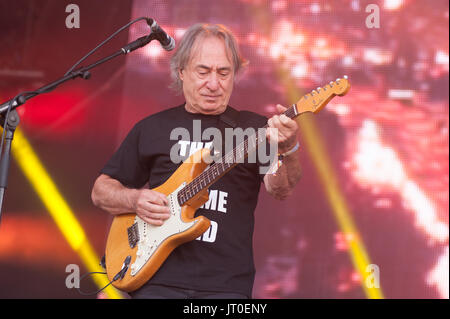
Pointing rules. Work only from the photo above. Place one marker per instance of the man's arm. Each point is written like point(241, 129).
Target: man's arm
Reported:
point(110, 195)
point(281, 184)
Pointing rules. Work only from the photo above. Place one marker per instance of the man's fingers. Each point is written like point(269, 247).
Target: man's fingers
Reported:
point(152, 221)
point(158, 198)
point(281, 108)
point(286, 121)
point(154, 214)
point(155, 208)
point(163, 198)
point(148, 195)
point(272, 134)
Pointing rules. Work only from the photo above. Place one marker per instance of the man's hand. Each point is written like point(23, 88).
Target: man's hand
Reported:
point(287, 131)
point(109, 194)
point(281, 184)
point(151, 206)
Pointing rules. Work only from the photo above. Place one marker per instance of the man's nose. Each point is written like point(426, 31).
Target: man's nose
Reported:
point(213, 82)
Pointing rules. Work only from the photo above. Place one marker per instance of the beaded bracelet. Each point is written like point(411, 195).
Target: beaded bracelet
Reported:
point(292, 150)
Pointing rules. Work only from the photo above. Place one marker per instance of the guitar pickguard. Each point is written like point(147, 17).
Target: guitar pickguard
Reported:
point(150, 237)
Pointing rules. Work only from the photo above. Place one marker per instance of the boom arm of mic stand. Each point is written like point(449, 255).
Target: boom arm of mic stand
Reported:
point(82, 72)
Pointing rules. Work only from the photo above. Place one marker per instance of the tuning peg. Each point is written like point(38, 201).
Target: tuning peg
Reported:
point(345, 77)
point(318, 89)
point(331, 83)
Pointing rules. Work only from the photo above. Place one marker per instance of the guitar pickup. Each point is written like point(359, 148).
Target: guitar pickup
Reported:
point(133, 235)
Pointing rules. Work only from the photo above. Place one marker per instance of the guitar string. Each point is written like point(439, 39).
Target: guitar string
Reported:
point(221, 167)
point(216, 169)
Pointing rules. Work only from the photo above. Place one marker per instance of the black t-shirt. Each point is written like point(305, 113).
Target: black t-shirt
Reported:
point(222, 258)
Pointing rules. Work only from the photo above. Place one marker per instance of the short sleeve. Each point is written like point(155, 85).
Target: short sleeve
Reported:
point(125, 165)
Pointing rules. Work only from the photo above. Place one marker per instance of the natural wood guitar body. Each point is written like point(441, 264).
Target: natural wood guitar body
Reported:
point(118, 248)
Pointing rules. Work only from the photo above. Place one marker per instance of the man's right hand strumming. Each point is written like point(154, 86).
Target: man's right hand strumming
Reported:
point(110, 195)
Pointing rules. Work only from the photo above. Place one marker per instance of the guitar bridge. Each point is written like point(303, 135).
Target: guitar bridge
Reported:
point(133, 235)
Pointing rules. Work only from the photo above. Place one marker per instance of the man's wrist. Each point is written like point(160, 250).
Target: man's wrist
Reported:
point(290, 151)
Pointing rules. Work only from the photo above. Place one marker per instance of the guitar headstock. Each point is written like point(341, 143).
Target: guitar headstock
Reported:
point(318, 98)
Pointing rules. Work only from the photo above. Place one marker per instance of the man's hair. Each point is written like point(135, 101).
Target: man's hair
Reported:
point(183, 54)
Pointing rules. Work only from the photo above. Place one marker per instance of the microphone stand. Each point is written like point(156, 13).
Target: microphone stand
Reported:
point(12, 119)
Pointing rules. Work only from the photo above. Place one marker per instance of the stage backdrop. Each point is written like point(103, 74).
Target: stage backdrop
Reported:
point(369, 217)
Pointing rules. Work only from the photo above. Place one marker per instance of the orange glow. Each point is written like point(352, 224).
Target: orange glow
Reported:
point(34, 240)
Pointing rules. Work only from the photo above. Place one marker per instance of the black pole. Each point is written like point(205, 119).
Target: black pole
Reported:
point(9, 126)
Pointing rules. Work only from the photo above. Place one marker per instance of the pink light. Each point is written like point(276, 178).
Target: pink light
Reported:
point(300, 70)
point(392, 5)
point(315, 8)
point(439, 276)
point(377, 56)
point(153, 50)
point(321, 42)
point(279, 5)
point(377, 165)
point(251, 37)
point(179, 33)
point(340, 242)
point(356, 277)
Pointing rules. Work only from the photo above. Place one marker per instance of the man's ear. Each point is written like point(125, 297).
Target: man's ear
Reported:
point(180, 74)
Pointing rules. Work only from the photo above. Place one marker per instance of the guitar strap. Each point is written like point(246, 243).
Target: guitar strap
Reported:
point(230, 117)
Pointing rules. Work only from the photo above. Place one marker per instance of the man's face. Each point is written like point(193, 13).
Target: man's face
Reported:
point(208, 77)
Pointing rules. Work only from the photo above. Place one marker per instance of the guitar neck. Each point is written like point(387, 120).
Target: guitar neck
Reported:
point(312, 102)
point(220, 167)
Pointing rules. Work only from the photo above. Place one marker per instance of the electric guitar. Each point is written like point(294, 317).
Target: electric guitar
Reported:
point(135, 250)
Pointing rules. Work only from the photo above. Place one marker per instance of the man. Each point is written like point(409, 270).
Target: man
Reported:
point(219, 264)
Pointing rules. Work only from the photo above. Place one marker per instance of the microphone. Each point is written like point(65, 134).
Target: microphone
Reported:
point(167, 42)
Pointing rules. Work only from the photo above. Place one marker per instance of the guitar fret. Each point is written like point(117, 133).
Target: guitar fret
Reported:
point(207, 177)
point(239, 153)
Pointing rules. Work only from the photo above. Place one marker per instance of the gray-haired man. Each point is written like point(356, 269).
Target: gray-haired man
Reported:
point(218, 264)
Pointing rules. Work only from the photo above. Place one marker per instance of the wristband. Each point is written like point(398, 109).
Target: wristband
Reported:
point(292, 150)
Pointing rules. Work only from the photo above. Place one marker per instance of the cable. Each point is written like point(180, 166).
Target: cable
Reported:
point(101, 44)
point(95, 292)
point(118, 276)
point(70, 70)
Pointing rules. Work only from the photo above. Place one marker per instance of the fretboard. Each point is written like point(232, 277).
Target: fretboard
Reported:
point(220, 167)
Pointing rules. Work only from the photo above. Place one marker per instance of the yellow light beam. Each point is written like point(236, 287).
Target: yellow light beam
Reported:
point(336, 199)
point(320, 158)
point(59, 210)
